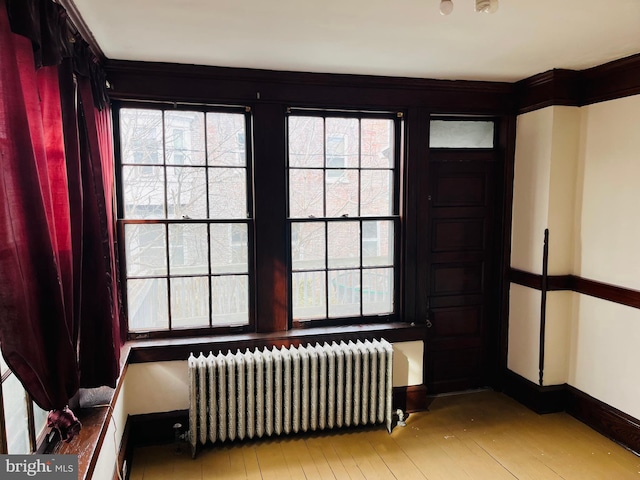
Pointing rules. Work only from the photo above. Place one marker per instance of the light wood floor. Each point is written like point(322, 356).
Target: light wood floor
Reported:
point(483, 435)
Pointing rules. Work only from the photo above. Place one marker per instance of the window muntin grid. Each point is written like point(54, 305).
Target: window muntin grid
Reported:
point(343, 215)
point(184, 183)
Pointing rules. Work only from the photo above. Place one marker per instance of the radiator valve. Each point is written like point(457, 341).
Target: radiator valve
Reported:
point(178, 438)
point(401, 418)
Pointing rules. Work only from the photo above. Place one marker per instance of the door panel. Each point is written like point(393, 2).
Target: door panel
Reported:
point(457, 234)
point(456, 321)
point(452, 190)
point(459, 210)
point(452, 279)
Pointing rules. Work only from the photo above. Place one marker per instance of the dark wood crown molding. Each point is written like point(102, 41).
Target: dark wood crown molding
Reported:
point(208, 84)
point(555, 87)
point(616, 79)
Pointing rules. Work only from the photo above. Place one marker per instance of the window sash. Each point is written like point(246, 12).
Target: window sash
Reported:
point(207, 160)
point(318, 278)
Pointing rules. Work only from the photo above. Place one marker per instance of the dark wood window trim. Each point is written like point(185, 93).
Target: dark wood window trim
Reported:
point(208, 168)
point(270, 306)
point(37, 434)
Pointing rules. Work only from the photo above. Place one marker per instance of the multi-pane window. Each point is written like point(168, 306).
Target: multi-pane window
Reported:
point(24, 421)
point(343, 215)
point(186, 217)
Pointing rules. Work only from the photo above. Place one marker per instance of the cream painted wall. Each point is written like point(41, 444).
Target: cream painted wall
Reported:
point(524, 332)
point(609, 219)
point(592, 209)
point(531, 188)
point(546, 161)
point(558, 331)
point(106, 463)
point(562, 188)
point(407, 363)
point(604, 352)
point(157, 387)
point(606, 356)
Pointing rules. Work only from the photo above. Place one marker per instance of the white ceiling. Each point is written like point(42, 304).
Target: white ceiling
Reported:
point(391, 37)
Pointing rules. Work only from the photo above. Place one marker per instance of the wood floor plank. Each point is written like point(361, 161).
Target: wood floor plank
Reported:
point(332, 448)
point(299, 450)
point(251, 465)
point(298, 460)
point(326, 468)
point(479, 436)
point(398, 462)
point(515, 457)
point(272, 461)
point(366, 457)
point(428, 455)
point(215, 463)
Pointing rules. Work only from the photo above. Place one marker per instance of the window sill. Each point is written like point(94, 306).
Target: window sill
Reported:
point(95, 422)
point(180, 348)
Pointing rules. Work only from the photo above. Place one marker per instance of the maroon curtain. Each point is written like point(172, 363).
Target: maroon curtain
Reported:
point(59, 301)
point(99, 334)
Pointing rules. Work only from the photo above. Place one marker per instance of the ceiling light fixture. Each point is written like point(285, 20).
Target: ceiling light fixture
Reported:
point(446, 7)
point(482, 6)
point(486, 6)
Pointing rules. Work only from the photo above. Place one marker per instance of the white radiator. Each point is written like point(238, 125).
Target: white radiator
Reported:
point(287, 390)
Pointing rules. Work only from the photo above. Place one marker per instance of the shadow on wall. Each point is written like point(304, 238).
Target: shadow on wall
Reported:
point(400, 368)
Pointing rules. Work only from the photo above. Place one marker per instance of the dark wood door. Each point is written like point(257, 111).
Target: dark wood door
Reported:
point(459, 268)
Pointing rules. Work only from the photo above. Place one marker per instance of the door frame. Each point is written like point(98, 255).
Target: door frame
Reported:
point(418, 170)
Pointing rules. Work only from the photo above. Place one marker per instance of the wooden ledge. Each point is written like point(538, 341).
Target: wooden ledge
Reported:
point(159, 350)
point(95, 423)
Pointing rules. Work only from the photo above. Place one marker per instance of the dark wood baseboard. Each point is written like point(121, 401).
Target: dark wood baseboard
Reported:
point(157, 428)
point(125, 454)
point(410, 399)
point(545, 399)
point(609, 421)
point(148, 429)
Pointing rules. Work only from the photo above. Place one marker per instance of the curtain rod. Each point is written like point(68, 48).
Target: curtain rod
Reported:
point(79, 25)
